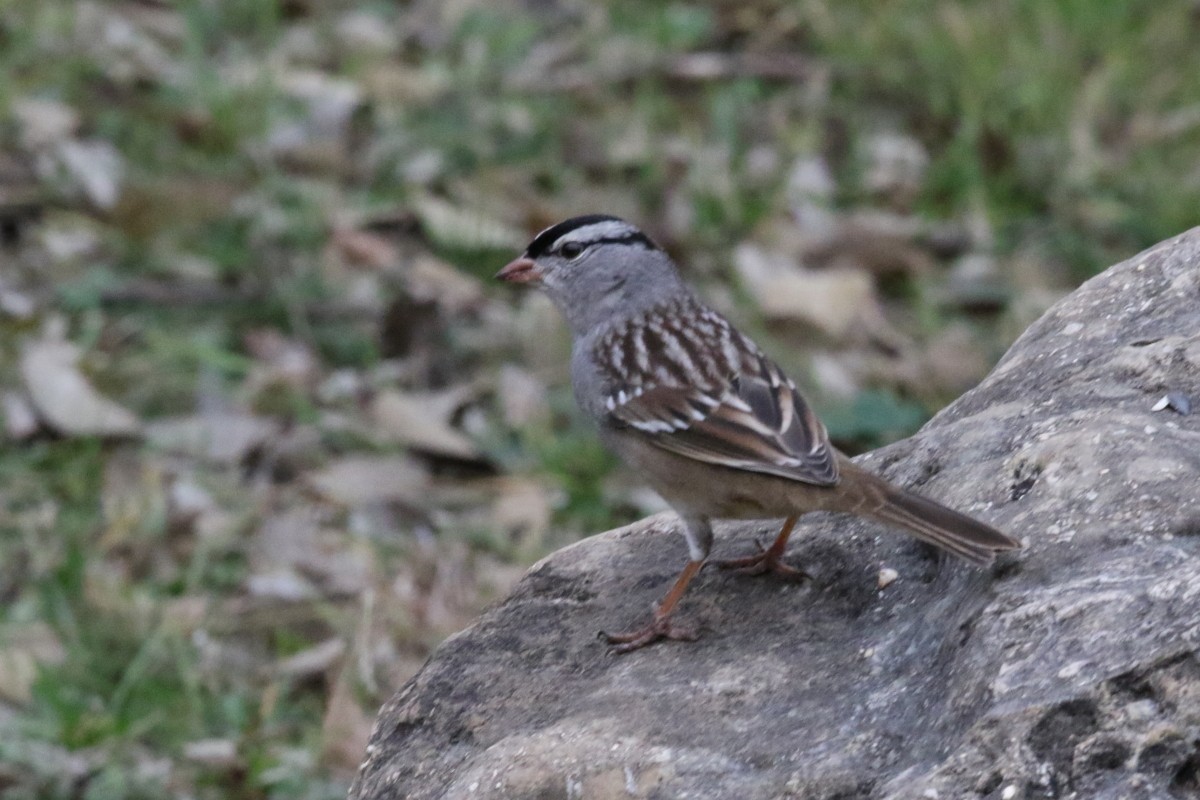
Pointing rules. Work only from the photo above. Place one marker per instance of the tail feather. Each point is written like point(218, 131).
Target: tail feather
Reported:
point(948, 529)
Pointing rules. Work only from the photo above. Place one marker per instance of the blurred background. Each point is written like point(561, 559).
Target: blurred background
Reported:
point(270, 432)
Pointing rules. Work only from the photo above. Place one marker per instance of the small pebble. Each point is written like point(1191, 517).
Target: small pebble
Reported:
point(1009, 792)
point(887, 576)
point(1180, 403)
point(1176, 401)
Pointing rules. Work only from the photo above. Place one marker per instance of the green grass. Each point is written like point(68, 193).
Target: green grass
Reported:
point(1070, 127)
point(1035, 108)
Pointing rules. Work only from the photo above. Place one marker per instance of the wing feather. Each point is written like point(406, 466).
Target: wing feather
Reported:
point(752, 426)
point(707, 392)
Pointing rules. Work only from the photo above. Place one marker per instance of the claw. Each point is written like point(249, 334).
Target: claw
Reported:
point(768, 559)
point(762, 562)
point(659, 628)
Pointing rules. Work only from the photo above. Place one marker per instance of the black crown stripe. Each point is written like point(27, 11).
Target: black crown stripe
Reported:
point(543, 241)
point(638, 237)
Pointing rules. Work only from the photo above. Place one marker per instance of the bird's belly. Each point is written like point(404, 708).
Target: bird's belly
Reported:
point(714, 491)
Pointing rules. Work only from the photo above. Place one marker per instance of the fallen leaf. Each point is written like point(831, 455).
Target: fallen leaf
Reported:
point(522, 397)
point(278, 362)
point(64, 398)
point(895, 168)
point(285, 539)
point(457, 227)
point(346, 729)
point(69, 238)
point(123, 41)
point(430, 278)
point(294, 541)
point(420, 420)
point(42, 121)
point(366, 480)
point(522, 511)
point(23, 650)
point(832, 301)
point(191, 510)
point(185, 614)
point(810, 196)
point(330, 101)
point(312, 661)
point(318, 136)
point(364, 247)
point(133, 504)
point(953, 361)
point(212, 753)
point(96, 167)
point(878, 242)
point(20, 420)
point(220, 437)
point(281, 584)
point(366, 32)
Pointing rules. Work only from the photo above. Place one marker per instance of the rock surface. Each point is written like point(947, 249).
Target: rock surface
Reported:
point(1071, 670)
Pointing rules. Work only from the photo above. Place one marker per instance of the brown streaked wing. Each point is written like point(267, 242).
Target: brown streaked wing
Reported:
point(757, 422)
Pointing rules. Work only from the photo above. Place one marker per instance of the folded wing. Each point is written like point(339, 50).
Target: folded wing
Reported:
point(755, 421)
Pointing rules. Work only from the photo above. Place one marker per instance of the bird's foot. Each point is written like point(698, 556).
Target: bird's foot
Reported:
point(764, 561)
point(659, 628)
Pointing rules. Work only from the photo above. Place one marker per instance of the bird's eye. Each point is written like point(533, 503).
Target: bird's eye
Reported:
point(571, 249)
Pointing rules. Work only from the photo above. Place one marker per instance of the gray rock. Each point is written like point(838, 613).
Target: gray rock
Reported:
point(1071, 670)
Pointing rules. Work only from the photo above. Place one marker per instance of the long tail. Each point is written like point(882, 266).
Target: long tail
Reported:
point(936, 524)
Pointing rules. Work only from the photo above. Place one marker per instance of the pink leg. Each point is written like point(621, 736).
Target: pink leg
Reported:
point(769, 559)
point(661, 626)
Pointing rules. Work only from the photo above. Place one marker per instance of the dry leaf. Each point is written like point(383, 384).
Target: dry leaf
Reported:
point(213, 753)
point(96, 167)
point(279, 361)
point(22, 649)
point(222, 437)
point(64, 398)
point(363, 247)
point(20, 420)
point(878, 242)
point(430, 278)
point(69, 238)
point(420, 420)
point(457, 227)
point(132, 503)
point(522, 397)
point(330, 101)
point(522, 510)
point(366, 33)
point(810, 196)
point(366, 480)
point(281, 584)
point(124, 41)
point(42, 122)
point(313, 660)
point(191, 510)
point(896, 166)
point(832, 301)
point(346, 728)
point(294, 542)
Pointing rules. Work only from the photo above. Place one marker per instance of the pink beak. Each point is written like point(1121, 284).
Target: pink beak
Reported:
point(521, 270)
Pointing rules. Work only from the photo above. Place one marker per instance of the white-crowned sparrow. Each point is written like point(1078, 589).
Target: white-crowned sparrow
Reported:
point(695, 407)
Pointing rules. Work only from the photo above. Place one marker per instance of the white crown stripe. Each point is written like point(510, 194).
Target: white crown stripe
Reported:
point(608, 229)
